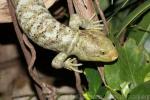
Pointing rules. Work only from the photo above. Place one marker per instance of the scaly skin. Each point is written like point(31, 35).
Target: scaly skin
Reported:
point(88, 44)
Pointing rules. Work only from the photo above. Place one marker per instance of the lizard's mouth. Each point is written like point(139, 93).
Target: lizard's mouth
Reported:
point(113, 55)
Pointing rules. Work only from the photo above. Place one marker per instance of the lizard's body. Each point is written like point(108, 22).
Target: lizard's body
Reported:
point(39, 25)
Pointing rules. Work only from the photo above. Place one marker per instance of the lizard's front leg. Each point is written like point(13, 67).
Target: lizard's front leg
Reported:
point(62, 61)
point(77, 21)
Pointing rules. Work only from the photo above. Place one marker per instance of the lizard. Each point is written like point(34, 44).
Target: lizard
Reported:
point(87, 44)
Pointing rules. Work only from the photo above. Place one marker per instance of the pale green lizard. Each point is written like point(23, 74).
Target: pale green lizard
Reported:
point(88, 44)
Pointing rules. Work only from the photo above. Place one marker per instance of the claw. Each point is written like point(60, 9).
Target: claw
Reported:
point(74, 69)
point(96, 28)
point(71, 64)
point(76, 65)
point(99, 21)
point(95, 25)
point(93, 16)
point(73, 59)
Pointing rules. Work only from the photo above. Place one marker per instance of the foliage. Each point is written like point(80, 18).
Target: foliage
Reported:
point(128, 78)
point(92, 78)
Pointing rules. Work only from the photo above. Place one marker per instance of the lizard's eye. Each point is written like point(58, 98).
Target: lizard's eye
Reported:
point(102, 52)
point(114, 44)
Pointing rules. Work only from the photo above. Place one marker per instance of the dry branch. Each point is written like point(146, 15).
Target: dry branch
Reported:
point(85, 8)
point(4, 12)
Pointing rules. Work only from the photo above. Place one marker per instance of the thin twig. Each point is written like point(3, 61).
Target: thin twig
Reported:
point(33, 57)
point(101, 72)
point(46, 89)
point(70, 7)
point(78, 84)
point(20, 38)
point(102, 16)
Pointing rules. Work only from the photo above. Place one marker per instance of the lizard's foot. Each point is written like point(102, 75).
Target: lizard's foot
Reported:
point(71, 64)
point(97, 25)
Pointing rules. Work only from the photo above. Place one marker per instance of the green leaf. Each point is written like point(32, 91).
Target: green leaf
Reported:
point(142, 30)
point(94, 82)
point(125, 88)
point(120, 12)
point(117, 20)
point(133, 15)
point(147, 44)
point(132, 66)
point(120, 7)
point(147, 77)
point(141, 92)
point(104, 4)
point(116, 95)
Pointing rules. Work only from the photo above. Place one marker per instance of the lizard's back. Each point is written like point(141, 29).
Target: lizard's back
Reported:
point(41, 27)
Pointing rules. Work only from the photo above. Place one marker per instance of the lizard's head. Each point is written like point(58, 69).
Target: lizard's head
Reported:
point(96, 48)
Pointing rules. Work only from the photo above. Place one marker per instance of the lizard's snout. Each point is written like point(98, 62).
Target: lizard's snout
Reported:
point(113, 55)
